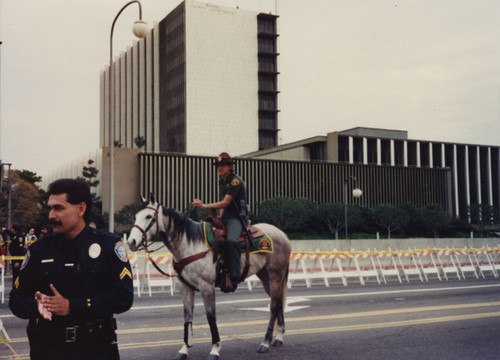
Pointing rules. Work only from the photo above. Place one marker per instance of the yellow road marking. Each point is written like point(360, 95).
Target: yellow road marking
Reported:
point(323, 330)
point(322, 317)
point(307, 318)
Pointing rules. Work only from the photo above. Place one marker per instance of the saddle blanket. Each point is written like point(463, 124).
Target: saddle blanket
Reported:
point(260, 243)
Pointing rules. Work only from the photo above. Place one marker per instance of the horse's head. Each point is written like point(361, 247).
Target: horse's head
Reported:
point(146, 224)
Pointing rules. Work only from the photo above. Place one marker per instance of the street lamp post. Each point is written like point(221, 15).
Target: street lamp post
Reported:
point(8, 185)
point(140, 30)
point(356, 192)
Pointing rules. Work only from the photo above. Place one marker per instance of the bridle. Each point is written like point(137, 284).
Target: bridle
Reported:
point(178, 266)
point(144, 240)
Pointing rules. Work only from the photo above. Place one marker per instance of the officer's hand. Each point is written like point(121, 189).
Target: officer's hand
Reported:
point(57, 304)
point(46, 314)
point(197, 203)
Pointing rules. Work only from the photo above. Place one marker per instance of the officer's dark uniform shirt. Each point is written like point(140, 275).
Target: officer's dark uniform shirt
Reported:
point(91, 270)
point(16, 247)
point(235, 187)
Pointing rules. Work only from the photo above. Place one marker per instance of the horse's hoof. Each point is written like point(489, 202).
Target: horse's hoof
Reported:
point(263, 349)
point(276, 342)
point(181, 356)
point(213, 357)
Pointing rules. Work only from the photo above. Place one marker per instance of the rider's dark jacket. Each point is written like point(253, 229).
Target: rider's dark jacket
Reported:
point(235, 187)
point(93, 272)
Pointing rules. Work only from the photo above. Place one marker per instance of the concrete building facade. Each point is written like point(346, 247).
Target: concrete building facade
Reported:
point(203, 81)
point(475, 169)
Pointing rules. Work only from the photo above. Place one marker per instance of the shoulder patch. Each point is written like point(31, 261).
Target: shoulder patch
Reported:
point(120, 251)
point(235, 182)
point(26, 259)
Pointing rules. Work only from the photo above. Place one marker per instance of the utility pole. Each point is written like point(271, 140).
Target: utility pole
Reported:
point(7, 185)
point(1, 109)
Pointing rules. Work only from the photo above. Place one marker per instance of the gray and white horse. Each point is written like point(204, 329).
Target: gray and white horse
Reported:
point(185, 240)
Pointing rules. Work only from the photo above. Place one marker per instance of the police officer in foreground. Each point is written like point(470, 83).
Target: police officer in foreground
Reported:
point(233, 204)
point(72, 282)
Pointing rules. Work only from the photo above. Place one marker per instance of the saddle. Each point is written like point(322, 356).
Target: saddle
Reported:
point(219, 229)
point(220, 235)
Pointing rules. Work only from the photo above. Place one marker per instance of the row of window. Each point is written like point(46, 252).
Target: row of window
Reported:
point(177, 179)
point(476, 169)
point(268, 82)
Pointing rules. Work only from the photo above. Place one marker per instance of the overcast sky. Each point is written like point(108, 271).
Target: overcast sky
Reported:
point(426, 66)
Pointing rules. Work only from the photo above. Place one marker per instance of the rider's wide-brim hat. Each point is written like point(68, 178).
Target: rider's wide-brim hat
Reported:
point(224, 159)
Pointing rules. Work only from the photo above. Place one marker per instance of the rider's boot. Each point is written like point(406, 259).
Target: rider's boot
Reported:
point(233, 264)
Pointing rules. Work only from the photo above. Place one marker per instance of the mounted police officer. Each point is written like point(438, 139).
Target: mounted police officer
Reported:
point(72, 282)
point(233, 206)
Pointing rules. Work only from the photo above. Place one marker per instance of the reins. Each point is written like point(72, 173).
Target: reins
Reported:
point(178, 266)
point(144, 241)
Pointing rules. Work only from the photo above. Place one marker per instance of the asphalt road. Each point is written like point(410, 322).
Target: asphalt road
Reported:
point(434, 320)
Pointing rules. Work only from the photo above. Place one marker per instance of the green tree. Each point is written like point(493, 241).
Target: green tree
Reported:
point(389, 217)
point(89, 176)
point(435, 220)
point(29, 176)
point(140, 141)
point(413, 225)
point(332, 215)
point(25, 202)
point(125, 217)
point(285, 213)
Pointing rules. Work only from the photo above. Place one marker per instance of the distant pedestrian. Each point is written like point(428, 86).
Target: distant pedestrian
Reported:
point(31, 237)
point(16, 248)
point(3, 245)
point(46, 229)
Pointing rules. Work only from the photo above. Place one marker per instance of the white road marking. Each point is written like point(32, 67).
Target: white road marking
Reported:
point(288, 308)
point(353, 295)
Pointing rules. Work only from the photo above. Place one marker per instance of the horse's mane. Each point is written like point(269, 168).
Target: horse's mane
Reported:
point(182, 224)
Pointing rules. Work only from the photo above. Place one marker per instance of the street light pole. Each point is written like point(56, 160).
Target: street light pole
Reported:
point(140, 30)
point(356, 192)
point(7, 184)
point(0, 100)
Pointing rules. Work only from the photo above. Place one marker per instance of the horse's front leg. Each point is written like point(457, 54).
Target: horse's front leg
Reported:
point(208, 295)
point(188, 302)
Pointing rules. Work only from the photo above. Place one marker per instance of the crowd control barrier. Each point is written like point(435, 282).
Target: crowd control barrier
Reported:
point(134, 264)
point(336, 267)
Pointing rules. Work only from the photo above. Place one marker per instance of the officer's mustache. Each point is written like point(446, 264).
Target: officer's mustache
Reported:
point(55, 222)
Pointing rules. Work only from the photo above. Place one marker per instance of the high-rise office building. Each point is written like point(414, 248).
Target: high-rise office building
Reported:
point(203, 81)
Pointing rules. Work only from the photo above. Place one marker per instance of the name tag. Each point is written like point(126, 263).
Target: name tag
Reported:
point(47, 261)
